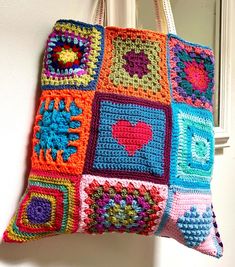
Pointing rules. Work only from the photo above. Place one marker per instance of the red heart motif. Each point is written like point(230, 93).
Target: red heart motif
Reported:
point(132, 137)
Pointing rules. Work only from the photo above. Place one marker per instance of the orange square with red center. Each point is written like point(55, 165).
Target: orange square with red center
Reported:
point(135, 64)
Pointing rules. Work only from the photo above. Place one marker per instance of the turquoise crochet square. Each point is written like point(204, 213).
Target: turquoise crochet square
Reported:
point(202, 150)
point(192, 153)
point(132, 138)
point(54, 134)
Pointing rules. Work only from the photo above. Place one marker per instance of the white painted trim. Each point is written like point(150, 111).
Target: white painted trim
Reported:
point(222, 132)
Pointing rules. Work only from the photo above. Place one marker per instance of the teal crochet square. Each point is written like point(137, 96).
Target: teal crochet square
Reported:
point(192, 153)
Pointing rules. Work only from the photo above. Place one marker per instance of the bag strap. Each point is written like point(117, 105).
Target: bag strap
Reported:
point(164, 16)
point(169, 16)
point(99, 13)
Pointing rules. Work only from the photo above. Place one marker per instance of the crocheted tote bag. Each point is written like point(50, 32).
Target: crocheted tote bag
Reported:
point(123, 138)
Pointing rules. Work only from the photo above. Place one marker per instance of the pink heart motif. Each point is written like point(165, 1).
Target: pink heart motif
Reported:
point(132, 137)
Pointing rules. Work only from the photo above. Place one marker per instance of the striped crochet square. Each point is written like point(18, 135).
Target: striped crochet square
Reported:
point(189, 219)
point(73, 56)
point(129, 138)
point(121, 205)
point(49, 206)
point(135, 64)
point(61, 130)
point(191, 72)
point(192, 167)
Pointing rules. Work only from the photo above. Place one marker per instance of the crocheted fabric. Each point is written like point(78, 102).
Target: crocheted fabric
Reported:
point(123, 138)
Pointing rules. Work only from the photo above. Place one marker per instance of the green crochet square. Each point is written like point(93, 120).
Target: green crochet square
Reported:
point(149, 69)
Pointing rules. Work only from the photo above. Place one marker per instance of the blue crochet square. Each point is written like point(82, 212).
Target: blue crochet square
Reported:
point(192, 153)
point(53, 136)
point(129, 138)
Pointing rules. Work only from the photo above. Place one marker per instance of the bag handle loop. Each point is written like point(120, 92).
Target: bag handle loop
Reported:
point(164, 16)
point(99, 13)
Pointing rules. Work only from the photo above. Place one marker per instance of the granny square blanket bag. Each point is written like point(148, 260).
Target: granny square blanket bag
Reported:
point(123, 137)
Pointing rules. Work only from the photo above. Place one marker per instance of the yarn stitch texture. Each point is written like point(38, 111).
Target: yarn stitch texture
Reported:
point(123, 138)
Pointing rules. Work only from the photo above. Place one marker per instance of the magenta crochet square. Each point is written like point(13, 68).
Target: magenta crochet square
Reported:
point(191, 72)
point(129, 138)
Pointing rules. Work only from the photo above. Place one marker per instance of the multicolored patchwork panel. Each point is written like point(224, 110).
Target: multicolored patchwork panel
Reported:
point(123, 138)
point(61, 130)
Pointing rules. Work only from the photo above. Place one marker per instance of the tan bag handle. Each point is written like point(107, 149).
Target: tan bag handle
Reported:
point(164, 16)
point(99, 13)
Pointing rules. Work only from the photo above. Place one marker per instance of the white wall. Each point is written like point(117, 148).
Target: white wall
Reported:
point(24, 26)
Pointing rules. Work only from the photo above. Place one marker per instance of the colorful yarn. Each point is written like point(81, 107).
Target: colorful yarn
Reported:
point(192, 168)
point(192, 73)
point(195, 227)
point(73, 56)
point(123, 138)
point(135, 64)
point(49, 207)
point(112, 205)
point(188, 218)
point(129, 137)
point(61, 130)
point(197, 76)
point(55, 134)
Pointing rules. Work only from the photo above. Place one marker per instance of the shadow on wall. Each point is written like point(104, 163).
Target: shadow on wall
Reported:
point(80, 250)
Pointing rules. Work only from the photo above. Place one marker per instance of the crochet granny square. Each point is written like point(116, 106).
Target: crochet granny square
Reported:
point(192, 168)
point(73, 56)
point(192, 73)
point(121, 205)
point(61, 130)
point(135, 65)
point(123, 138)
point(189, 218)
point(49, 206)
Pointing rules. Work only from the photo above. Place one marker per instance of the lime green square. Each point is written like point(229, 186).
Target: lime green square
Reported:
point(119, 76)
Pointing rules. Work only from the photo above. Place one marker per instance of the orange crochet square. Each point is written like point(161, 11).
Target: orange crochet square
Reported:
point(61, 130)
point(135, 64)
